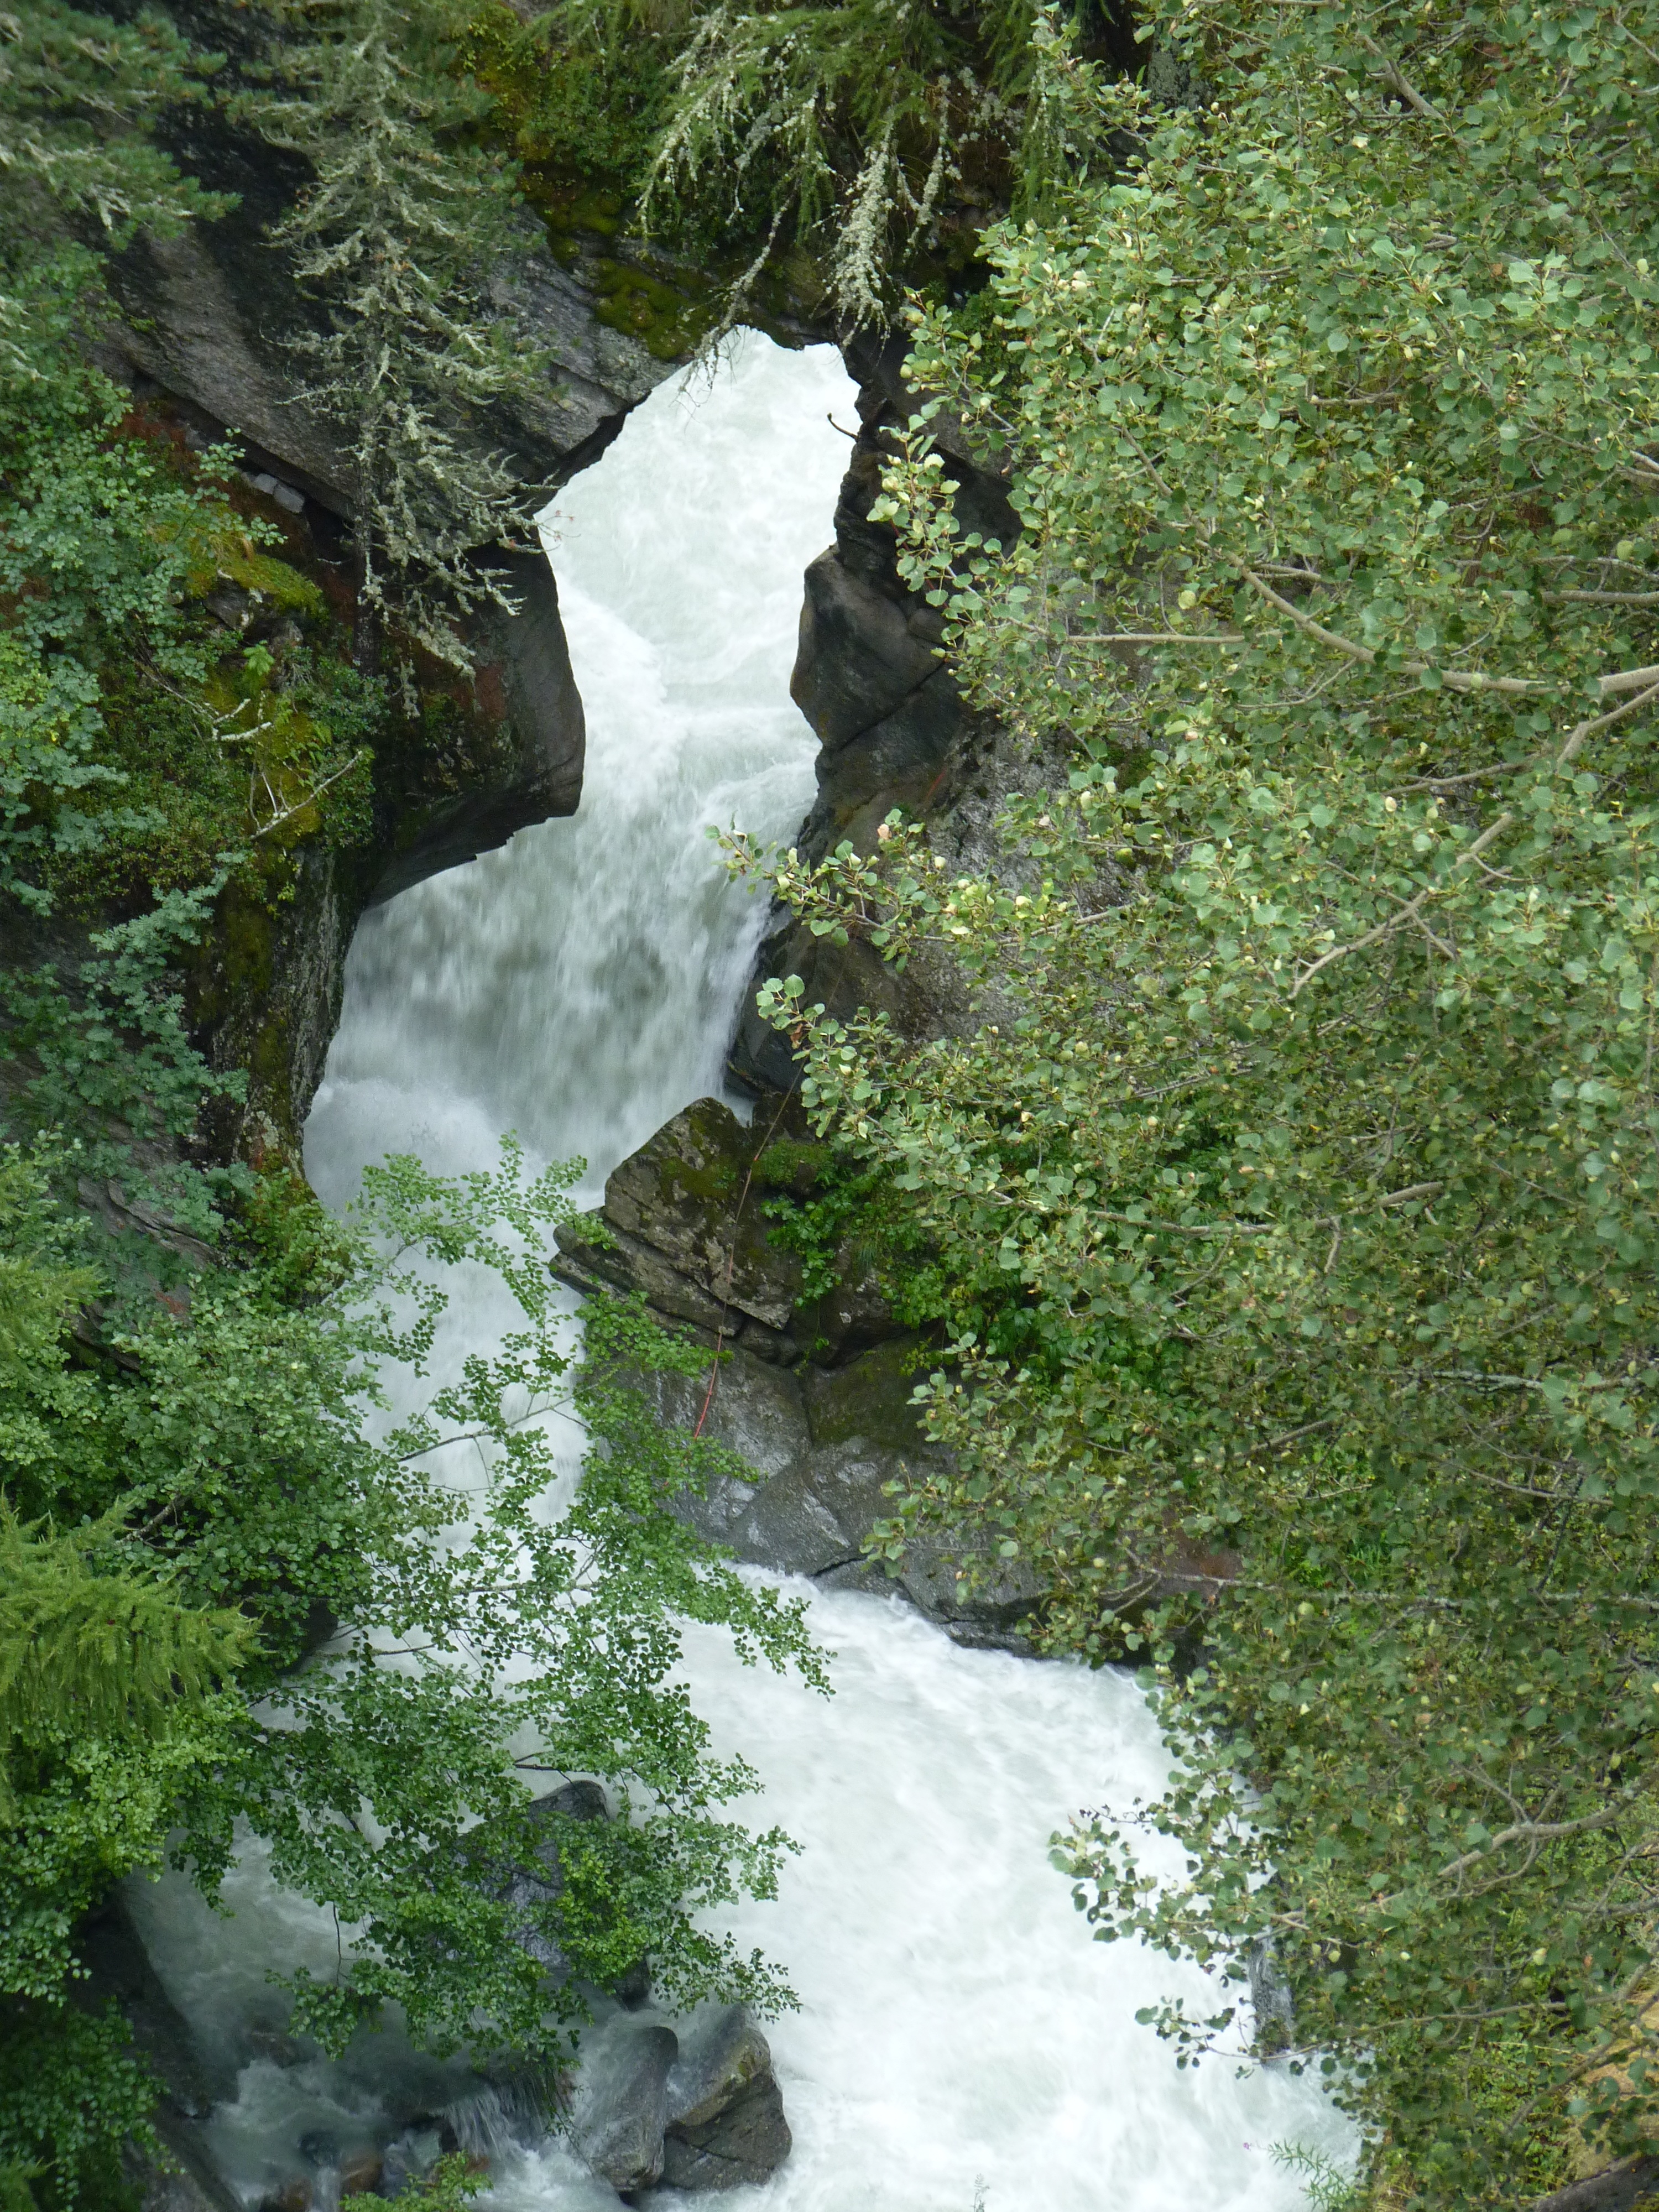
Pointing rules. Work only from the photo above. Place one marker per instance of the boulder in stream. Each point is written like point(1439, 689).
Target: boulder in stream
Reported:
point(813, 1391)
point(699, 2109)
point(542, 1883)
point(621, 2115)
point(725, 2123)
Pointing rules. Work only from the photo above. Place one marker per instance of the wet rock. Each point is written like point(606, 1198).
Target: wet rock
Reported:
point(1633, 2182)
point(956, 1578)
point(179, 2174)
point(894, 730)
point(860, 653)
point(892, 725)
point(596, 373)
point(524, 684)
point(682, 1224)
point(409, 2157)
point(360, 2173)
point(718, 2059)
point(529, 1888)
point(117, 1970)
point(869, 1398)
point(618, 2124)
point(905, 760)
point(747, 2141)
point(1270, 1995)
point(726, 2125)
point(274, 2045)
point(843, 978)
point(700, 2110)
point(828, 1437)
point(293, 2195)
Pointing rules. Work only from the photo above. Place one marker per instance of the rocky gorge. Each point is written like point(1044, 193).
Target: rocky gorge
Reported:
point(811, 1360)
point(813, 1394)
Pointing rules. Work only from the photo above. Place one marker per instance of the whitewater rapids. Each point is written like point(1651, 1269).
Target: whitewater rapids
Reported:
point(960, 2040)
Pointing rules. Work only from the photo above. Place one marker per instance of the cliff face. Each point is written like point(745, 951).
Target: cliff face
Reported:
point(205, 315)
point(893, 729)
point(200, 335)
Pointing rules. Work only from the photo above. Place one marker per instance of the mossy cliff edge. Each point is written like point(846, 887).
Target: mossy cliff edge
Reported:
point(201, 329)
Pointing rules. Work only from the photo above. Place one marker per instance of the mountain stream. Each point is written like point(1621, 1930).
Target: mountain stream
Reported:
point(960, 2040)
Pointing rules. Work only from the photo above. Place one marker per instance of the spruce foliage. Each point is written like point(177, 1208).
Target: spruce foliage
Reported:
point(78, 94)
point(105, 1655)
point(394, 237)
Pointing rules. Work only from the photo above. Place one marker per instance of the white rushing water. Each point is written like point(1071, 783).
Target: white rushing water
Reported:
point(959, 2037)
point(579, 986)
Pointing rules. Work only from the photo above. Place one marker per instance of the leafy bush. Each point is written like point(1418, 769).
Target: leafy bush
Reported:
point(1319, 1143)
point(225, 1419)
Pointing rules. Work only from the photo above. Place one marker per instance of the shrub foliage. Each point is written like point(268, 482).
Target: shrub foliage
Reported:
point(1317, 1144)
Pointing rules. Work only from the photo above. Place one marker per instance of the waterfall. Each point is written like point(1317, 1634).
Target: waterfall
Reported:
point(959, 2039)
point(579, 986)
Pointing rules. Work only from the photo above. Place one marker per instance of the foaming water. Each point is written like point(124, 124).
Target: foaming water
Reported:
point(960, 2031)
point(579, 987)
point(959, 2037)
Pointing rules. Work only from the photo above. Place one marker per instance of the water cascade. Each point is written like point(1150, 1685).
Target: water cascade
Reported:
point(959, 2038)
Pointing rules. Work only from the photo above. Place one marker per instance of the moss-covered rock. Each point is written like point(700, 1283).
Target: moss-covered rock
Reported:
point(685, 1220)
point(823, 1423)
point(869, 1398)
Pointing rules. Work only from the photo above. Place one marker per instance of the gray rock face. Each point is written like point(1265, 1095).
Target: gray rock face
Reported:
point(718, 2062)
point(526, 1888)
point(207, 317)
point(182, 2178)
point(861, 653)
point(524, 681)
point(893, 728)
point(618, 2124)
point(674, 1228)
point(597, 374)
point(697, 2108)
point(745, 2143)
point(409, 2159)
point(814, 1396)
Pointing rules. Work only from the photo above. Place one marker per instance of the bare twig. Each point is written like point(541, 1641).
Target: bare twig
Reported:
point(1395, 78)
point(1455, 679)
point(1157, 637)
point(1606, 598)
point(1630, 679)
point(1265, 1228)
point(1575, 742)
point(316, 792)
